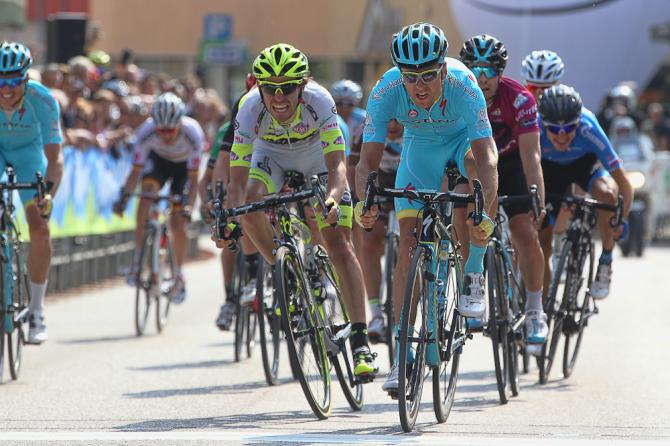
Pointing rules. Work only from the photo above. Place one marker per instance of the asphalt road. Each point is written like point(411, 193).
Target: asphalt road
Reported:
point(95, 382)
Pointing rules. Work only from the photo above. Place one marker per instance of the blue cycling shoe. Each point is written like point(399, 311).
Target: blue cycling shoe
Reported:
point(536, 327)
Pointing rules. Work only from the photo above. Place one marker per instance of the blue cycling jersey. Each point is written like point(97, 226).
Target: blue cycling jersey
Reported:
point(590, 138)
point(34, 123)
point(345, 133)
point(459, 111)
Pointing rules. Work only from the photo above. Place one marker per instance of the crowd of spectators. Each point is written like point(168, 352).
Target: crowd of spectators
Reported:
point(103, 103)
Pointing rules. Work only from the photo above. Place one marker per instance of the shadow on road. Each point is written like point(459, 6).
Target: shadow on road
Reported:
point(100, 339)
point(183, 365)
point(228, 389)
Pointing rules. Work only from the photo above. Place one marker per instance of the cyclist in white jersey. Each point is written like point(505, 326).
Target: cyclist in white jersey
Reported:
point(169, 146)
point(290, 123)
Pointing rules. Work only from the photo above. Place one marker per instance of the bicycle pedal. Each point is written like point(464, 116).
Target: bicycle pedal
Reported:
point(393, 394)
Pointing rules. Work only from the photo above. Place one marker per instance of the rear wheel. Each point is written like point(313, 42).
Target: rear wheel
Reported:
point(167, 275)
point(16, 338)
point(304, 338)
point(269, 323)
point(578, 312)
point(498, 327)
point(145, 279)
point(413, 341)
point(390, 253)
point(241, 312)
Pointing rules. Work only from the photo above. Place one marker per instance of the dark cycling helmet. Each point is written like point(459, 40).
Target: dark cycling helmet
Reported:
point(484, 49)
point(15, 58)
point(560, 104)
point(418, 45)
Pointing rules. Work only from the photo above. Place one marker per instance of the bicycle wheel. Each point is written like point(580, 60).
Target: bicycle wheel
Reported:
point(450, 341)
point(268, 323)
point(390, 255)
point(578, 313)
point(251, 327)
point(498, 327)
point(241, 312)
point(2, 344)
point(338, 327)
point(517, 304)
point(145, 280)
point(16, 338)
point(167, 276)
point(303, 337)
point(411, 366)
point(555, 314)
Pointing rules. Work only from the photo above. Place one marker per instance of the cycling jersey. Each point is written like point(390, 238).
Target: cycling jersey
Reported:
point(218, 144)
point(270, 148)
point(512, 113)
point(25, 131)
point(188, 146)
point(434, 137)
point(346, 134)
point(356, 123)
point(590, 138)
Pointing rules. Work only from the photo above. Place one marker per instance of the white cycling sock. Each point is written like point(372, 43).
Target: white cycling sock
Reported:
point(37, 292)
point(375, 308)
point(533, 300)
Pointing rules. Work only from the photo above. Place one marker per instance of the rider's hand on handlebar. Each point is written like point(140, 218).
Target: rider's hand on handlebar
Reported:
point(484, 229)
point(120, 205)
point(206, 212)
point(537, 222)
point(231, 232)
point(333, 211)
point(368, 219)
point(621, 232)
point(45, 205)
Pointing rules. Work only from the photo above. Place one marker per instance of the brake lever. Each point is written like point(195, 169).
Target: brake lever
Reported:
point(370, 194)
point(479, 202)
point(617, 219)
point(535, 201)
point(320, 194)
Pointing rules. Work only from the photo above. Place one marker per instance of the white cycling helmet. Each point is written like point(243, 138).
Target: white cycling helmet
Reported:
point(168, 110)
point(346, 90)
point(542, 67)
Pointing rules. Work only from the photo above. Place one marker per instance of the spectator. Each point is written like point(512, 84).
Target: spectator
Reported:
point(657, 126)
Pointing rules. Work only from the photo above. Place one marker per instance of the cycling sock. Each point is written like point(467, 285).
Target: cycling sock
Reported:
point(252, 261)
point(359, 335)
point(375, 309)
point(475, 263)
point(177, 271)
point(533, 300)
point(606, 256)
point(37, 291)
point(229, 293)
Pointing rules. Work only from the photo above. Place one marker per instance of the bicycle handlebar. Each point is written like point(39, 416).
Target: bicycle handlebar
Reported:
point(615, 221)
point(320, 194)
point(533, 197)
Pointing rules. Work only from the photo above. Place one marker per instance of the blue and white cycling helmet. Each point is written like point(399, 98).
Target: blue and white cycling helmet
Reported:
point(542, 67)
point(418, 45)
point(168, 110)
point(14, 58)
point(347, 91)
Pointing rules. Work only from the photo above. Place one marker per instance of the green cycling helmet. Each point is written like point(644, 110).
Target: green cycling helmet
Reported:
point(279, 60)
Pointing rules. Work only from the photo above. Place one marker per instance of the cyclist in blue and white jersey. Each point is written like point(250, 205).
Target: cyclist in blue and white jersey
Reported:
point(347, 95)
point(572, 144)
point(30, 141)
point(443, 111)
point(541, 70)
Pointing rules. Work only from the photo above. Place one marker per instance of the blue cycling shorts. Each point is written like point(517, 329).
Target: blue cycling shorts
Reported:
point(26, 161)
point(422, 165)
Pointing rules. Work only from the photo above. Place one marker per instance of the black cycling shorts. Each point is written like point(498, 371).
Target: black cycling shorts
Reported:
point(160, 170)
point(512, 181)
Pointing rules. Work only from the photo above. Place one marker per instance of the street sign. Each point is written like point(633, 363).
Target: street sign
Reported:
point(217, 27)
point(223, 53)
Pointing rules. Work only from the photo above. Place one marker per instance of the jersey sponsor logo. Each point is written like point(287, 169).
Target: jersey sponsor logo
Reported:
point(443, 105)
point(377, 94)
point(238, 139)
point(22, 111)
point(300, 129)
point(520, 100)
point(460, 84)
point(247, 158)
point(338, 140)
point(532, 110)
point(413, 113)
point(332, 125)
point(264, 165)
point(528, 123)
point(324, 144)
point(585, 130)
point(236, 124)
point(334, 110)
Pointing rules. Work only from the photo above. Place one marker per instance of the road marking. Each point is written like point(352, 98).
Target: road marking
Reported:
point(267, 437)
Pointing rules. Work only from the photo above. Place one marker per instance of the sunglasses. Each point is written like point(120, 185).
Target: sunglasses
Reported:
point(535, 89)
point(344, 104)
point(489, 72)
point(561, 129)
point(426, 77)
point(285, 88)
point(12, 82)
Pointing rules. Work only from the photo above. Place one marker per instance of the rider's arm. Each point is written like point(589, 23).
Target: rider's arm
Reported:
point(240, 152)
point(352, 161)
point(54, 172)
point(485, 153)
point(52, 137)
point(332, 142)
point(140, 154)
point(371, 156)
point(198, 140)
point(531, 157)
point(625, 189)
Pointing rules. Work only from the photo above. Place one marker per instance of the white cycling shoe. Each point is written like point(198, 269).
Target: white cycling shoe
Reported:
point(391, 383)
point(600, 288)
point(472, 302)
point(37, 331)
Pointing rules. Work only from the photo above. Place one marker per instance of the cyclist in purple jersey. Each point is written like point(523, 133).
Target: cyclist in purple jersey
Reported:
point(512, 112)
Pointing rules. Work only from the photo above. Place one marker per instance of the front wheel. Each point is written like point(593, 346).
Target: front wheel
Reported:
point(499, 327)
point(390, 257)
point(269, 324)
point(304, 338)
point(167, 275)
point(144, 281)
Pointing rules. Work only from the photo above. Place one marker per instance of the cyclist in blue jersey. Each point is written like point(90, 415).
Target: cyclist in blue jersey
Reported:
point(443, 111)
point(348, 95)
point(572, 144)
point(30, 141)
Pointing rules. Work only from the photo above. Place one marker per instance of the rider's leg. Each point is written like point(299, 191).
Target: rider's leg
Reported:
point(604, 189)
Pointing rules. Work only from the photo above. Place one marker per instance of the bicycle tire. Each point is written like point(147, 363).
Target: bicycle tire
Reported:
point(251, 327)
point(498, 326)
point(414, 372)
point(337, 319)
point(16, 338)
point(163, 299)
point(583, 312)
point(241, 311)
point(390, 256)
point(143, 284)
point(445, 377)
point(269, 324)
point(299, 325)
point(3, 316)
point(554, 316)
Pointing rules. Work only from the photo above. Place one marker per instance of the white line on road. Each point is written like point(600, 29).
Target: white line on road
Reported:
point(265, 437)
